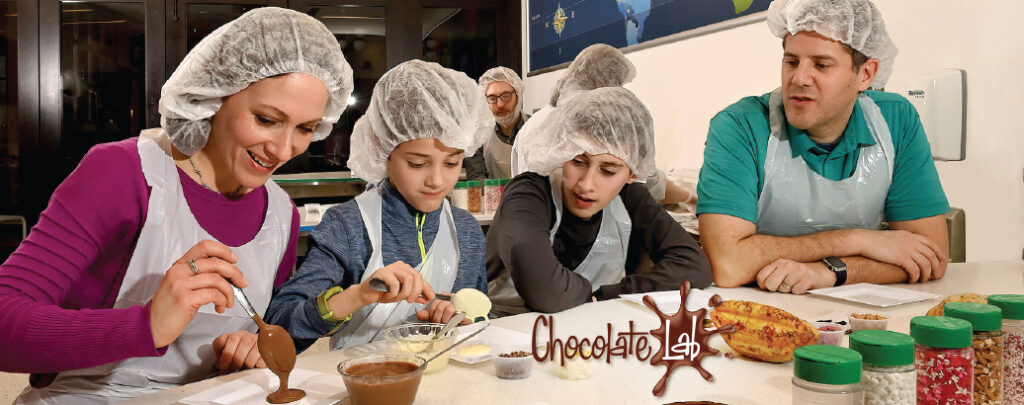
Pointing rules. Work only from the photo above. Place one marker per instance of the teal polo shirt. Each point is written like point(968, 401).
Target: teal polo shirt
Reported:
point(732, 176)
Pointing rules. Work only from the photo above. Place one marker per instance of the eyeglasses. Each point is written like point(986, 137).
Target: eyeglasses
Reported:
point(505, 97)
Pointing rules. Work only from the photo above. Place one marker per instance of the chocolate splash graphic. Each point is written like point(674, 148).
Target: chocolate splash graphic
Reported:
point(683, 322)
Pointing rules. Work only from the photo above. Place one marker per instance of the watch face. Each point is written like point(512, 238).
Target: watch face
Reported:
point(835, 264)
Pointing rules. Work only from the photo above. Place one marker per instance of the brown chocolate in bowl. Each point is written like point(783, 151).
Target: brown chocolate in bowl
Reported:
point(382, 379)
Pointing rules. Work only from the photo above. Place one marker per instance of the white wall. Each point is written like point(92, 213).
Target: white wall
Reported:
point(685, 83)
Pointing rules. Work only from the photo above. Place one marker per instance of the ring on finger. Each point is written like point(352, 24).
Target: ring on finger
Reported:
point(195, 268)
point(785, 288)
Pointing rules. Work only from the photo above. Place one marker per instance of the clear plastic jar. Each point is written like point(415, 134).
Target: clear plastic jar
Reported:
point(1012, 306)
point(1013, 362)
point(811, 393)
point(827, 375)
point(476, 195)
point(492, 195)
point(987, 323)
point(889, 376)
point(943, 360)
point(889, 385)
point(460, 195)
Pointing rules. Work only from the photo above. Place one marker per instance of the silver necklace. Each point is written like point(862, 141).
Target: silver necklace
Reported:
point(196, 169)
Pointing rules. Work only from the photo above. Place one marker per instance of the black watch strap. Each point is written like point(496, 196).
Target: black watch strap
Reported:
point(838, 267)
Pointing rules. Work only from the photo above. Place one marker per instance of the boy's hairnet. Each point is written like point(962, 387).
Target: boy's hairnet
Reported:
point(416, 100)
point(856, 23)
point(596, 66)
point(606, 120)
point(261, 43)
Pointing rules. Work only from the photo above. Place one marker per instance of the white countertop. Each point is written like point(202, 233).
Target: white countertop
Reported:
point(736, 381)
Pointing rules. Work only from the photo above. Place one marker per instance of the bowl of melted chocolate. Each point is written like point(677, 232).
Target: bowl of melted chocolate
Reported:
point(382, 379)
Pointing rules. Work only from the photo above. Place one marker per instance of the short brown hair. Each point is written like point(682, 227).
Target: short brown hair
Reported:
point(859, 58)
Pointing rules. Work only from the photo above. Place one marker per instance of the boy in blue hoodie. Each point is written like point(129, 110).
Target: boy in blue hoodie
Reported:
point(409, 147)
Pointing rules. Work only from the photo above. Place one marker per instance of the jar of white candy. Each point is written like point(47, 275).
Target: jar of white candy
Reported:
point(889, 376)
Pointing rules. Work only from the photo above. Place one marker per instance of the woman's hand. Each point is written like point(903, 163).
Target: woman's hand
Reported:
point(236, 351)
point(182, 291)
point(440, 311)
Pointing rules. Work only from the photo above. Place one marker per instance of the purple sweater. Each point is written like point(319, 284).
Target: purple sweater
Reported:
point(57, 289)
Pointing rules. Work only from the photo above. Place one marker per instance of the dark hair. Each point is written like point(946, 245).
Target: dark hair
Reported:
point(858, 57)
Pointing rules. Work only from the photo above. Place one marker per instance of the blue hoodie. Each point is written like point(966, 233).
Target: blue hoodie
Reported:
point(339, 249)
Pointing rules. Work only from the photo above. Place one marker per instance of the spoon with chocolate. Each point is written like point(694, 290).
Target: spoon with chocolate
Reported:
point(277, 350)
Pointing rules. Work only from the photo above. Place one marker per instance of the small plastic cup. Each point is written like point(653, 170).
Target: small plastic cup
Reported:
point(831, 334)
point(857, 324)
point(512, 363)
point(377, 379)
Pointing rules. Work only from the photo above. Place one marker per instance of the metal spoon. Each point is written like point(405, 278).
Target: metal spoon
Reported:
point(380, 285)
point(276, 348)
point(452, 322)
point(461, 341)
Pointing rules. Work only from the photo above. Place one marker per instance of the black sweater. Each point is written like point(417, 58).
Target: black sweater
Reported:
point(518, 241)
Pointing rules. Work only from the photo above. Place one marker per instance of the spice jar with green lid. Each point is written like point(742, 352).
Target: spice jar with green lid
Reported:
point(943, 359)
point(1013, 346)
point(987, 323)
point(492, 195)
point(824, 374)
point(460, 195)
point(476, 196)
point(889, 376)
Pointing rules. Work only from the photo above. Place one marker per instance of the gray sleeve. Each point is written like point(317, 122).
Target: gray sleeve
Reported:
point(476, 168)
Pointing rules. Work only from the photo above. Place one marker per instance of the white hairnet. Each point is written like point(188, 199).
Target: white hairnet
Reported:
point(856, 23)
point(261, 43)
point(506, 75)
point(416, 100)
point(596, 66)
point(606, 120)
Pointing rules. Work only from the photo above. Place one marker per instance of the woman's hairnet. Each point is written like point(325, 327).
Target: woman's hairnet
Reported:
point(506, 75)
point(606, 120)
point(596, 66)
point(856, 23)
point(262, 43)
point(416, 100)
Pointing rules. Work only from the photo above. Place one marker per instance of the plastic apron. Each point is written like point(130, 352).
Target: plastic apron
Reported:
point(795, 200)
point(498, 157)
point(605, 263)
point(439, 269)
point(169, 231)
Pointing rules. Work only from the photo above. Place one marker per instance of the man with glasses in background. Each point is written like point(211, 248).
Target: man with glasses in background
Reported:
point(503, 89)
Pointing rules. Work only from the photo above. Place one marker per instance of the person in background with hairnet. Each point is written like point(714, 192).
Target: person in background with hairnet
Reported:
point(503, 90)
point(421, 120)
point(578, 228)
point(108, 297)
point(596, 66)
point(796, 182)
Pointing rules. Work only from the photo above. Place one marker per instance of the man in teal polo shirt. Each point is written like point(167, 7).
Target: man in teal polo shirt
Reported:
point(796, 182)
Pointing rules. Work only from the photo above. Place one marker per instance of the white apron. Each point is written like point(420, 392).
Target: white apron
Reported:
point(169, 231)
point(605, 263)
point(498, 157)
point(795, 200)
point(439, 269)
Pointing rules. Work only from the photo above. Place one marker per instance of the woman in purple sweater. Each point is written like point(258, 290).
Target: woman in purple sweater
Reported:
point(121, 288)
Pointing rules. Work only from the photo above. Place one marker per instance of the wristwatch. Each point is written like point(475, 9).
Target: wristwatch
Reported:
point(321, 305)
point(836, 265)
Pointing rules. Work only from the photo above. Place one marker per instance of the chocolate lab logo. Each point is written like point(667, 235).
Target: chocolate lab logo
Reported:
point(684, 341)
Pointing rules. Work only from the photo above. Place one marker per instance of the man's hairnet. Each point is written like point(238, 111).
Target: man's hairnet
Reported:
point(596, 66)
point(416, 100)
point(856, 23)
point(506, 75)
point(606, 120)
point(262, 43)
